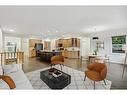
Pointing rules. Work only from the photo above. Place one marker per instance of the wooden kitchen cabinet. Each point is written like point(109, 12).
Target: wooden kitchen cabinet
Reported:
point(47, 45)
point(78, 42)
point(68, 42)
point(32, 42)
point(70, 54)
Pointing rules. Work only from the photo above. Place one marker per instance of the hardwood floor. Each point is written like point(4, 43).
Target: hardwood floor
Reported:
point(114, 70)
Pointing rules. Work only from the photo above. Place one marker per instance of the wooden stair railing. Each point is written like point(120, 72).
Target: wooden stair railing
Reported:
point(10, 57)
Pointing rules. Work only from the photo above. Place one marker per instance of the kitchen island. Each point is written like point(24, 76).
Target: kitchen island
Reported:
point(46, 55)
point(71, 54)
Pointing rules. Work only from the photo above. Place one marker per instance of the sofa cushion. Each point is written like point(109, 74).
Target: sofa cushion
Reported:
point(16, 73)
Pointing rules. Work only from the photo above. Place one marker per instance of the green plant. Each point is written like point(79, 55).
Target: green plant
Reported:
point(95, 51)
point(119, 39)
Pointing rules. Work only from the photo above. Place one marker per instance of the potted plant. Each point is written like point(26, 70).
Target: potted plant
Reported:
point(95, 51)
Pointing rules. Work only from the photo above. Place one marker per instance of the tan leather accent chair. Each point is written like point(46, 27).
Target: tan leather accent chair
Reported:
point(57, 59)
point(96, 72)
point(8, 80)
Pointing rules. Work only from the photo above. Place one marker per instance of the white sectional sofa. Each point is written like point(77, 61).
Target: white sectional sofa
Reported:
point(16, 73)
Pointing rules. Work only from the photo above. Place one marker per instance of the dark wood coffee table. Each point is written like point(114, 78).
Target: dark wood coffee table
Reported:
point(55, 82)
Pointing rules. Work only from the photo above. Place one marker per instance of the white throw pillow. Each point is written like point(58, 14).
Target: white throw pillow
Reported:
point(1, 70)
point(12, 68)
point(3, 85)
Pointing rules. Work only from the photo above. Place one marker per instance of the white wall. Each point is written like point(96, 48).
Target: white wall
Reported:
point(1, 40)
point(85, 46)
point(53, 44)
point(107, 38)
point(25, 46)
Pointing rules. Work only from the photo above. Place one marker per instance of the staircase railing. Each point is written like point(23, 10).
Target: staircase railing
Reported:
point(11, 57)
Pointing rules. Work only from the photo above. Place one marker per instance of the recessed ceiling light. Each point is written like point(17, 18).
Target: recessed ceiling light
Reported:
point(63, 35)
point(48, 31)
point(11, 30)
point(47, 39)
point(94, 29)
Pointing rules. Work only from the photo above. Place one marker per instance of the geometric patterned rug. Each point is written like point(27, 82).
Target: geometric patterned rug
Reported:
point(77, 80)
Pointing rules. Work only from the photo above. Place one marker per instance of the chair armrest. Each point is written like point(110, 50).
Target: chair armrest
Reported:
point(9, 81)
point(103, 73)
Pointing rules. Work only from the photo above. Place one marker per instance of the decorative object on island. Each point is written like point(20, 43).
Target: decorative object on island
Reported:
point(96, 72)
point(117, 44)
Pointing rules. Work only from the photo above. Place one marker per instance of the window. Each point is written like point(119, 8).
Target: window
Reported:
point(118, 42)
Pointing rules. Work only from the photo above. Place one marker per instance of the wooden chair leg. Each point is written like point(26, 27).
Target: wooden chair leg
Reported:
point(123, 71)
point(104, 82)
point(94, 84)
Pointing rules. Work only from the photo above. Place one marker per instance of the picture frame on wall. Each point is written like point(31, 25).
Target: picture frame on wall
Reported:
point(118, 43)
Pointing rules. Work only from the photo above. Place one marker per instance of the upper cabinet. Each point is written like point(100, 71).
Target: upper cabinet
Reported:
point(47, 45)
point(71, 42)
point(78, 42)
point(32, 42)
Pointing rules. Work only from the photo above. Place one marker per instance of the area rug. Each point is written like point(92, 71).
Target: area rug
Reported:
point(77, 80)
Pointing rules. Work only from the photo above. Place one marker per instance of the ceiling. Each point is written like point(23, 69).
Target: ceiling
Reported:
point(61, 21)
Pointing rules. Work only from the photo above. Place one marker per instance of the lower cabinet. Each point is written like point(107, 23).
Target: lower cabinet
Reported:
point(71, 54)
point(32, 53)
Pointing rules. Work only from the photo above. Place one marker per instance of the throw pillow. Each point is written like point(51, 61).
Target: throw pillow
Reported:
point(11, 68)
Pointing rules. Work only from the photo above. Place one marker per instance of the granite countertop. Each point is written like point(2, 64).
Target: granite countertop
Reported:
point(49, 51)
